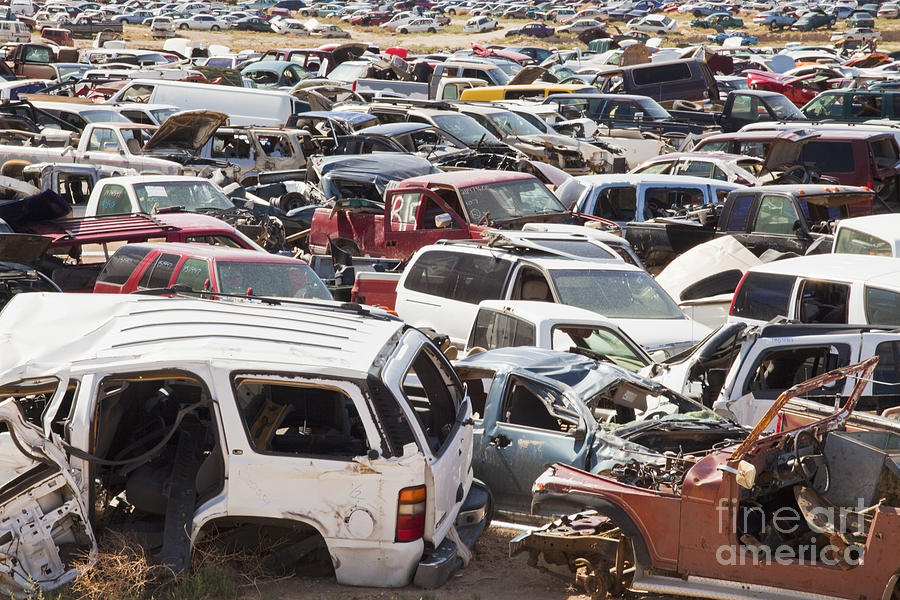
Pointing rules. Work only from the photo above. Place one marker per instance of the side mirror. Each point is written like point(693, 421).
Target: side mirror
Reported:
point(639, 117)
point(443, 221)
point(580, 432)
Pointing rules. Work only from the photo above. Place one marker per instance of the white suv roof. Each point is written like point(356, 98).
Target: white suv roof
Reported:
point(877, 270)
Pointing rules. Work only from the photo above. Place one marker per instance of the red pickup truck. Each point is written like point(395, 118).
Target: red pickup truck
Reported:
point(422, 210)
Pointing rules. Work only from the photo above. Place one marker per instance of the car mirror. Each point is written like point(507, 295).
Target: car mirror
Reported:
point(639, 117)
point(580, 432)
point(443, 221)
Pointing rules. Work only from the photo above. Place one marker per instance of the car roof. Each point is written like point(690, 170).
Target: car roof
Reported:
point(216, 252)
point(537, 312)
point(885, 226)
point(839, 267)
point(464, 179)
point(39, 331)
point(638, 178)
point(390, 129)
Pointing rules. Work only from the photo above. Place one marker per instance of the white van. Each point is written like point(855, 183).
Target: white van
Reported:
point(822, 288)
point(244, 106)
point(14, 31)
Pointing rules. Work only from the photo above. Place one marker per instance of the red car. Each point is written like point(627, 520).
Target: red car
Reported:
point(811, 511)
point(798, 89)
point(160, 265)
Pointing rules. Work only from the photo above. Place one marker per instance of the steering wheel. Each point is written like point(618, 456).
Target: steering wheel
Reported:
point(801, 467)
point(796, 174)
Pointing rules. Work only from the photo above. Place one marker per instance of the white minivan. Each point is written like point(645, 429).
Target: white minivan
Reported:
point(14, 31)
point(244, 106)
point(822, 288)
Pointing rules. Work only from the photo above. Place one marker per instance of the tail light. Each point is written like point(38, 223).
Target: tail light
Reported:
point(353, 85)
point(411, 514)
point(736, 290)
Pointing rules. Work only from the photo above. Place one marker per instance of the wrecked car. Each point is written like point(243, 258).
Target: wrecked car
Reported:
point(806, 512)
point(323, 456)
point(19, 255)
point(541, 406)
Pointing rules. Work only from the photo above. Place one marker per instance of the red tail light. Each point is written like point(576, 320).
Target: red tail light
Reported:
point(411, 514)
point(736, 290)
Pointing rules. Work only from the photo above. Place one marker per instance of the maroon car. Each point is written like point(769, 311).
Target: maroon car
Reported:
point(534, 29)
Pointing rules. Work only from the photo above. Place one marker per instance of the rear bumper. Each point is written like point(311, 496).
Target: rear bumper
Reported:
point(438, 564)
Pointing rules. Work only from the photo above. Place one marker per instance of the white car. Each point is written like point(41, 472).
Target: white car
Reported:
point(201, 23)
point(733, 168)
point(399, 20)
point(420, 25)
point(652, 24)
point(888, 11)
point(481, 24)
point(290, 26)
point(162, 27)
point(579, 26)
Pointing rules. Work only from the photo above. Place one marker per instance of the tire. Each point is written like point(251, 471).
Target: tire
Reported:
point(403, 31)
point(183, 26)
point(214, 28)
point(432, 30)
point(451, 11)
point(697, 14)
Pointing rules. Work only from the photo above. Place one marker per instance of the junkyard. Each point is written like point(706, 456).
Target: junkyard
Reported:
point(574, 299)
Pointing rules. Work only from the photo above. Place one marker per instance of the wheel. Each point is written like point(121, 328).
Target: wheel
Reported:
point(183, 26)
point(432, 30)
point(698, 14)
point(401, 30)
point(214, 28)
point(451, 11)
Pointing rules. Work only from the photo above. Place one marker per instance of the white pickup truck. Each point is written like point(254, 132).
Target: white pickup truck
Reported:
point(315, 429)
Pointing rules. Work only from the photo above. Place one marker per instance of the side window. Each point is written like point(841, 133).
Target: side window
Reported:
point(290, 419)
point(531, 285)
point(777, 214)
point(100, 137)
point(276, 146)
point(822, 302)
point(227, 145)
point(137, 116)
point(534, 405)
point(458, 276)
point(777, 370)
point(113, 200)
point(122, 264)
point(743, 107)
point(159, 274)
point(138, 93)
point(499, 330)
point(865, 106)
point(740, 213)
point(657, 75)
point(32, 396)
point(882, 307)
point(763, 296)
point(884, 151)
point(755, 149)
point(194, 274)
point(887, 373)
point(434, 392)
point(697, 168)
point(616, 204)
point(658, 200)
point(404, 208)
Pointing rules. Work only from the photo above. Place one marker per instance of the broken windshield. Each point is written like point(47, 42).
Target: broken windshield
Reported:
point(614, 293)
point(192, 196)
point(277, 279)
point(504, 200)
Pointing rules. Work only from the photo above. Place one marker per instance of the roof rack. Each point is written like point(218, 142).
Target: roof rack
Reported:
point(518, 242)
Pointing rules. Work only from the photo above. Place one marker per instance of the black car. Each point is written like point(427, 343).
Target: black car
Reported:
point(252, 24)
point(291, 4)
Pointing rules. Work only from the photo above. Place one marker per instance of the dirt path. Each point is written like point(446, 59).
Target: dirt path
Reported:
point(491, 575)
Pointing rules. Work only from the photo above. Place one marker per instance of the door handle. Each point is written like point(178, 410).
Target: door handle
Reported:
point(500, 441)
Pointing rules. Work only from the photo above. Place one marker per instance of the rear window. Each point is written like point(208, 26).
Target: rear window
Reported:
point(283, 280)
point(499, 330)
point(122, 264)
point(458, 276)
point(763, 296)
point(850, 241)
point(660, 74)
point(829, 157)
point(882, 307)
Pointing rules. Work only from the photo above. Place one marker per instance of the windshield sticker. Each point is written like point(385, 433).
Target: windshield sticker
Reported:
point(156, 191)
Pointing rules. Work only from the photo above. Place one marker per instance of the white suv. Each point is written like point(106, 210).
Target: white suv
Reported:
point(340, 428)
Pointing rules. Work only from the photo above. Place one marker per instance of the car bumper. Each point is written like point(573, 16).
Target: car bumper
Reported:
point(438, 564)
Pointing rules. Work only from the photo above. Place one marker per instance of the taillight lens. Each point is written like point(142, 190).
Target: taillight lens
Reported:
point(411, 514)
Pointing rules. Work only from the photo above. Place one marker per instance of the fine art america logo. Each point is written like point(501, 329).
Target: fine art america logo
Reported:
point(826, 541)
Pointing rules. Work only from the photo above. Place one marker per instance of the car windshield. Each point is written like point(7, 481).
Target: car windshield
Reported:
point(192, 196)
point(506, 200)
point(284, 280)
point(102, 116)
point(599, 340)
point(652, 109)
point(784, 109)
point(512, 124)
point(465, 128)
point(71, 72)
point(615, 294)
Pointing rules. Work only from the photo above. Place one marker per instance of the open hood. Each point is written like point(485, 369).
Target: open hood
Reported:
point(188, 130)
point(23, 248)
point(786, 147)
point(533, 73)
point(350, 51)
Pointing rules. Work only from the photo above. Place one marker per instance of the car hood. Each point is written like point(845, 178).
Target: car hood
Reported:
point(23, 248)
point(668, 335)
point(188, 130)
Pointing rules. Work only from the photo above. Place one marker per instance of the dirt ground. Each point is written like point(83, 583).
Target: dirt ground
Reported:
point(453, 37)
point(491, 575)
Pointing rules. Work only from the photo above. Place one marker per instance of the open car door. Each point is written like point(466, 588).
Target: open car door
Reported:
point(45, 525)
